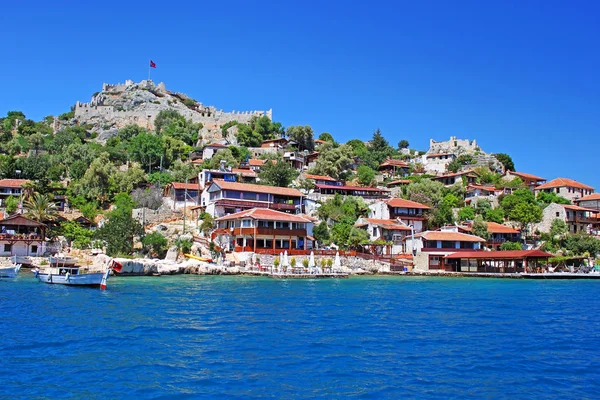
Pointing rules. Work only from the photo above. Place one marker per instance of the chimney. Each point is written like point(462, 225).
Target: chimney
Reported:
point(223, 165)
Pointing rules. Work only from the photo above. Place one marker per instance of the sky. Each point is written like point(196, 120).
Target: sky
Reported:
point(521, 77)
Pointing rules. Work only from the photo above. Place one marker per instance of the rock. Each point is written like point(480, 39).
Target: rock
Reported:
point(172, 254)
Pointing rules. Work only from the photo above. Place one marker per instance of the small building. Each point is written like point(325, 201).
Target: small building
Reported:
point(323, 180)
point(265, 231)
point(405, 211)
point(387, 230)
point(578, 219)
point(311, 158)
point(591, 202)
point(475, 192)
point(567, 188)
point(227, 174)
point(11, 187)
point(499, 234)
point(393, 168)
point(450, 179)
point(295, 159)
point(22, 236)
point(181, 194)
point(531, 181)
point(437, 162)
point(511, 261)
point(430, 247)
point(222, 198)
point(324, 192)
point(211, 149)
point(280, 143)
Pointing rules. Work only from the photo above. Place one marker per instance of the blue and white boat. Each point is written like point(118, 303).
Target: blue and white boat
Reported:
point(72, 276)
point(10, 272)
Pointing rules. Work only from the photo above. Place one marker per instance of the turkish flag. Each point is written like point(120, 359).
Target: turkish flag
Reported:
point(152, 64)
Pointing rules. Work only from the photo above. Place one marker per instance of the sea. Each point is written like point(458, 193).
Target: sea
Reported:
point(238, 337)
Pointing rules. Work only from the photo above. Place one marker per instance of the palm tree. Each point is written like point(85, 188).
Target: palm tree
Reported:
point(28, 189)
point(40, 207)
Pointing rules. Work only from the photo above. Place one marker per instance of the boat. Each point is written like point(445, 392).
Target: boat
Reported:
point(61, 260)
point(10, 272)
point(23, 260)
point(72, 276)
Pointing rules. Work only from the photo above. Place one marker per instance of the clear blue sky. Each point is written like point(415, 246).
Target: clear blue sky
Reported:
point(521, 77)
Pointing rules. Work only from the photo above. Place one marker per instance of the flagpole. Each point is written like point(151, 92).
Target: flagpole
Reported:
point(149, 69)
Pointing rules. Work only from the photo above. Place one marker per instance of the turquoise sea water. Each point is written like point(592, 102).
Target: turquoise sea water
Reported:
point(245, 337)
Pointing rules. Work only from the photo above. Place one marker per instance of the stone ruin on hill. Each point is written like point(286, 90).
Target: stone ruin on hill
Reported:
point(139, 103)
point(434, 162)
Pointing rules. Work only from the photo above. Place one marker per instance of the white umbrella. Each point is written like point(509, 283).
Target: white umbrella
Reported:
point(286, 261)
point(337, 264)
point(281, 262)
point(311, 261)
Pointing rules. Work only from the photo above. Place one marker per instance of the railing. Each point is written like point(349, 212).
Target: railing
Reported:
point(19, 236)
point(270, 231)
point(297, 252)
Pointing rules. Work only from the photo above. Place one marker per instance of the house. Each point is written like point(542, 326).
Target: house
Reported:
point(264, 231)
point(392, 168)
point(475, 191)
point(211, 149)
point(227, 174)
point(430, 247)
point(180, 194)
point(567, 188)
point(295, 158)
point(77, 217)
point(531, 181)
point(498, 233)
point(323, 180)
point(387, 230)
point(221, 198)
point(450, 179)
point(406, 211)
point(511, 261)
point(22, 236)
point(326, 191)
point(591, 201)
point(437, 162)
point(280, 143)
point(311, 158)
point(11, 187)
point(578, 219)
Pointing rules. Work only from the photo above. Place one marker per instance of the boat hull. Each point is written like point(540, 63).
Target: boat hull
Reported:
point(10, 272)
point(94, 279)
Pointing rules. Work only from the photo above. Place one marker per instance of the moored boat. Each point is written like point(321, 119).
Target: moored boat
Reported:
point(62, 261)
point(10, 272)
point(71, 276)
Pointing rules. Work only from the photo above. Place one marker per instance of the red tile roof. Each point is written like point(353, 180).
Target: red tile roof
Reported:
point(482, 187)
point(388, 224)
point(320, 177)
point(497, 255)
point(319, 141)
point(563, 182)
point(403, 203)
point(399, 182)
point(439, 154)
point(244, 172)
point(593, 196)
point(363, 188)
point(526, 176)
point(12, 183)
point(460, 173)
point(450, 236)
point(393, 163)
point(576, 208)
point(182, 185)
point(20, 220)
point(265, 215)
point(218, 145)
point(250, 187)
point(494, 227)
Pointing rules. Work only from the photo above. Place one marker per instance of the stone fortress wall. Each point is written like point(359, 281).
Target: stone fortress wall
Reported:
point(139, 103)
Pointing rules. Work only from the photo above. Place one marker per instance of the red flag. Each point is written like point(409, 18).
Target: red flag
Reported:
point(152, 64)
point(116, 266)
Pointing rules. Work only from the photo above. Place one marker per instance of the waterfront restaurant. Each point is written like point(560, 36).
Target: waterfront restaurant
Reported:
point(512, 261)
point(265, 231)
point(22, 236)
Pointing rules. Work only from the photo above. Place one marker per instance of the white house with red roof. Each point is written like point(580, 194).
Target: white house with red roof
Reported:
point(405, 211)
point(211, 149)
point(11, 187)
point(221, 198)
point(567, 188)
point(180, 194)
point(393, 168)
point(499, 233)
point(469, 176)
point(264, 231)
point(430, 247)
point(387, 230)
point(529, 180)
point(22, 236)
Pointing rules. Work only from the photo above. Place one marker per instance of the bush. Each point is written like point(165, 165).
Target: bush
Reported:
point(184, 245)
point(156, 244)
point(67, 116)
point(510, 246)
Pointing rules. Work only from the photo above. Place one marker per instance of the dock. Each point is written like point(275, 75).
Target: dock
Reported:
point(275, 275)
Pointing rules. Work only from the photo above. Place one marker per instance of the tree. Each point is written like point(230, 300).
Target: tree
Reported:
point(526, 214)
point(466, 214)
point(208, 223)
point(494, 215)
point(78, 236)
point(155, 244)
point(581, 244)
point(321, 233)
point(545, 198)
point(95, 183)
point(506, 246)
point(40, 207)
point(303, 135)
point(120, 228)
point(148, 198)
point(443, 214)
point(425, 191)
point(480, 228)
point(506, 161)
point(379, 150)
point(11, 204)
point(126, 181)
point(325, 136)
point(403, 144)
point(332, 161)
point(215, 161)
point(359, 148)
point(558, 228)
point(279, 173)
point(258, 130)
point(482, 206)
point(130, 131)
point(366, 175)
point(147, 149)
point(509, 202)
point(357, 237)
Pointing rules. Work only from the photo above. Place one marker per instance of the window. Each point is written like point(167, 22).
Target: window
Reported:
point(7, 248)
point(434, 262)
point(246, 223)
point(34, 249)
point(557, 213)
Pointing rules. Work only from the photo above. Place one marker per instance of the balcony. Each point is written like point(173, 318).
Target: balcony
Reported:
point(270, 231)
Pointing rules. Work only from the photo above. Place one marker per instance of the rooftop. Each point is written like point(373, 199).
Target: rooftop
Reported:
point(393, 163)
point(563, 182)
point(593, 196)
point(449, 236)
point(362, 188)
point(403, 203)
point(320, 177)
point(13, 183)
point(388, 224)
point(183, 186)
point(526, 176)
point(265, 214)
